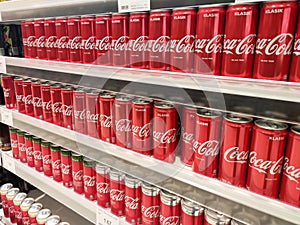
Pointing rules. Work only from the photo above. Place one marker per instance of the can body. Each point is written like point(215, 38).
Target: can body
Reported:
point(106, 119)
point(87, 26)
point(169, 209)
point(9, 91)
point(37, 100)
point(46, 154)
point(117, 193)
point(24, 39)
point(56, 163)
point(31, 38)
point(77, 173)
point(103, 188)
point(27, 97)
point(89, 180)
point(14, 142)
point(150, 205)
point(74, 33)
point(39, 32)
point(61, 29)
point(21, 146)
point(133, 194)
point(79, 110)
point(18, 84)
point(191, 214)
point(29, 150)
point(66, 168)
point(46, 102)
point(67, 107)
point(50, 39)
point(37, 155)
point(56, 102)
point(92, 113)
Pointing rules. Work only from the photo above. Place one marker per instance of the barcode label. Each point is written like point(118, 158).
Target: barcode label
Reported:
point(133, 5)
point(124, 7)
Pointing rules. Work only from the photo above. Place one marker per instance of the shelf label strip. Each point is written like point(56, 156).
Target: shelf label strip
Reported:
point(133, 5)
point(2, 61)
point(6, 116)
point(105, 217)
point(8, 162)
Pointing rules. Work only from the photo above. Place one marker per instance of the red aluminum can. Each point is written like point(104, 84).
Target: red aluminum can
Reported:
point(56, 162)
point(50, 38)
point(142, 111)
point(274, 40)
point(77, 173)
point(46, 102)
point(92, 113)
point(3, 191)
point(103, 189)
point(29, 150)
point(74, 33)
point(239, 43)
point(138, 40)
point(9, 91)
point(123, 120)
point(169, 208)
point(31, 38)
point(56, 102)
point(117, 193)
point(14, 142)
point(39, 32)
point(17, 202)
point(37, 99)
point(103, 39)
point(295, 63)
point(266, 157)
point(89, 179)
point(46, 154)
point(120, 39)
point(164, 131)
point(215, 218)
point(191, 213)
point(159, 39)
point(183, 21)
point(207, 142)
point(106, 118)
point(62, 44)
point(24, 39)
point(87, 26)
point(67, 106)
point(150, 205)
point(33, 212)
point(25, 205)
point(209, 40)
point(27, 97)
point(290, 182)
point(234, 150)
point(66, 167)
point(21, 146)
point(18, 84)
point(11, 193)
point(133, 194)
point(42, 216)
point(37, 154)
point(79, 110)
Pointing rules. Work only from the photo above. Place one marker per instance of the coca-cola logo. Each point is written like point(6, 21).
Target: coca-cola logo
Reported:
point(37, 155)
point(57, 107)
point(28, 100)
point(207, 148)
point(14, 143)
point(141, 132)
point(232, 155)
point(89, 181)
point(66, 169)
point(117, 195)
point(123, 125)
point(47, 159)
point(75, 43)
point(39, 42)
point(120, 44)
point(56, 165)
point(29, 151)
point(51, 42)
point(132, 203)
point(160, 45)
point(213, 45)
point(240, 46)
point(102, 188)
point(171, 220)
point(37, 102)
point(67, 110)
point(92, 117)
point(296, 50)
point(47, 105)
point(292, 172)
point(20, 98)
point(165, 137)
point(77, 175)
point(18, 214)
point(104, 44)
point(89, 44)
point(139, 45)
point(105, 121)
point(151, 212)
point(184, 45)
point(187, 137)
point(80, 114)
point(62, 43)
point(31, 41)
point(265, 166)
point(6, 92)
point(22, 147)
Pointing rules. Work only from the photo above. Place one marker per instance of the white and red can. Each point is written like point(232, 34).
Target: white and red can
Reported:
point(21, 146)
point(3, 191)
point(77, 173)
point(46, 102)
point(214, 218)
point(103, 188)
point(37, 154)
point(191, 213)
point(56, 162)
point(31, 38)
point(37, 99)
point(150, 205)
point(62, 43)
point(9, 91)
point(88, 39)
point(17, 202)
point(14, 142)
point(52, 220)
point(56, 102)
point(42, 216)
point(28, 97)
point(117, 193)
point(40, 41)
point(67, 106)
point(33, 212)
point(89, 179)
point(25, 205)
point(79, 110)
point(46, 154)
point(29, 150)
point(74, 33)
point(18, 84)
point(50, 38)
point(106, 119)
point(133, 198)
point(92, 113)
point(169, 208)
point(66, 167)
point(10, 194)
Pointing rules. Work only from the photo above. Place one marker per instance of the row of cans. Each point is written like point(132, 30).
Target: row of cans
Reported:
point(24, 210)
point(180, 40)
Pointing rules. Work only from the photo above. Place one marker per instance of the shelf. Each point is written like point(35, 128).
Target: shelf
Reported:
point(175, 177)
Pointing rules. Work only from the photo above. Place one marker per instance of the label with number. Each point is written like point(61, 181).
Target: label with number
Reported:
point(8, 162)
point(2, 64)
point(6, 116)
point(133, 5)
point(105, 217)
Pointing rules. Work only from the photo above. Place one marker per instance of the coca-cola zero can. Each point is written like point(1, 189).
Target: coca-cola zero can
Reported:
point(46, 154)
point(37, 154)
point(89, 179)
point(29, 149)
point(77, 173)
point(66, 167)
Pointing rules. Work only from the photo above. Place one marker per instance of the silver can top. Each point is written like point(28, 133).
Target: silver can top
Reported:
point(11, 193)
point(19, 198)
point(163, 105)
point(5, 187)
point(191, 208)
point(168, 198)
point(237, 118)
point(132, 182)
point(296, 129)
point(208, 113)
point(150, 190)
point(270, 125)
point(52, 220)
point(142, 101)
point(215, 218)
point(116, 175)
point(26, 203)
point(43, 215)
point(34, 209)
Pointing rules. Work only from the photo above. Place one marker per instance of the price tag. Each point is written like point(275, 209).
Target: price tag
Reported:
point(133, 5)
point(8, 162)
point(2, 63)
point(6, 116)
point(104, 217)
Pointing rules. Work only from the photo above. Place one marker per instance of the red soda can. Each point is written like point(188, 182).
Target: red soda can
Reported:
point(14, 142)
point(103, 39)
point(46, 154)
point(266, 157)
point(21, 146)
point(74, 33)
point(120, 39)
point(183, 24)
point(159, 38)
point(207, 142)
point(46, 102)
point(33, 212)
point(169, 208)
point(37, 154)
point(24, 39)
point(9, 91)
point(191, 213)
point(29, 150)
point(25, 205)
point(87, 26)
point(3, 191)
point(67, 106)
point(92, 113)
point(56, 162)
point(234, 150)
point(214, 218)
point(62, 43)
point(239, 43)
point(56, 102)
point(106, 119)
point(290, 182)
point(42, 216)
point(295, 63)
point(150, 205)
point(17, 202)
point(27, 97)
point(11, 193)
point(142, 111)
point(117, 193)
point(18, 84)
point(31, 38)
point(89, 179)
point(138, 40)
point(39, 32)
point(164, 131)
point(103, 189)
point(209, 40)
point(133, 194)
point(79, 110)
point(77, 173)
point(66, 167)
point(275, 40)
point(37, 99)
point(50, 39)
point(123, 120)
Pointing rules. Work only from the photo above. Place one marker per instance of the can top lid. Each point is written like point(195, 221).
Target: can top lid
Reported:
point(237, 118)
point(161, 10)
point(45, 83)
point(296, 129)
point(45, 143)
point(132, 182)
point(61, 17)
point(26, 203)
point(68, 87)
point(36, 139)
point(43, 215)
point(270, 125)
point(55, 148)
point(73, 17)
point(214, 217)
point(208, 113)
point(13, 129)
point(28, 136)
point(124, 13)
point(88, 16)
point(107, 95)
point(103, 14)
point(88, 162)
point(5, 187)
point(21, 133)
point(211, 6)
point(102, 169)
point(116, 175)
point(191, 208)
point(27, 80)
point(184, 8)
point(49, 18)
point(56, 85)
point(141, 12)
point(65, 152)
point(168, 198)
point(150, 190)
point(246, 3)
point(11, 193)
point(93, 92)
point(79, 89)
point(123, 98)
point(52, 220)
point(142, 101)
point(19, 198)
point(64, 223)
point(40, 19)
point(18, 78)
point(35, 81)
point(163, 105)
point(34, 209)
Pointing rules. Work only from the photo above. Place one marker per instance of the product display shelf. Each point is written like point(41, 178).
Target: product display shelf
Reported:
point(175, 177)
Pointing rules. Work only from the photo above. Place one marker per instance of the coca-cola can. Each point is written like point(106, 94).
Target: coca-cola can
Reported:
point(46, 102)
point(17, 202)
point(24, 39)
point(142, 111)
point(266, 157)
point(62, 45)
point(274, 40)
point(37, 99)
point(234, 150)
point(11, 193)
point(18, 84)
point(77, 173)
point(31, 38)
point(14, 142)
point(191, 213)
point(92, 113)
point(133, 194)
point(28, 97)
point(39, 32)
point(106, 119)
point(89, 179)
point(294, 75)
point(209, 40)
point(79, 110)
point(117, 192)
point(37, 154)
point(214, 218)
point(9, 91)
point(56, 102)
point(29, 149)
point(207, 142)
point(74, 33)
point(150, 204)
point(66, 167)
point(46, 154)
point(159, 39)
point(103, 188)
point(120, 39)
point(21, 146)
point(169, 208)
point(239, 43)
point(67, 106)
point(183, 24)
point(87, 26)
point(42, 216)
point(56, 162)
point(25, 205)
point(52, 220)
point(50, 38)
point(138, 40)
point(33, 212)
point(290, 182)
point(164, 131)
point(3, 191)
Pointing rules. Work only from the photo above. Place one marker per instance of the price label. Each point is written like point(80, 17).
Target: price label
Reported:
point(104, 217)
point(8, 162)
point(133, 5)
point(2, 63)
point(6, 116)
